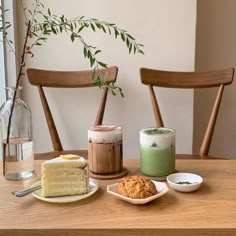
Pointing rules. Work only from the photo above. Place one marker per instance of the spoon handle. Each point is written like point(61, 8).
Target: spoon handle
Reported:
point(25, 192)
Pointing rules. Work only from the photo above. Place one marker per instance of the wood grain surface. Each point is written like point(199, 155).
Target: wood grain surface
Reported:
point(211, 210)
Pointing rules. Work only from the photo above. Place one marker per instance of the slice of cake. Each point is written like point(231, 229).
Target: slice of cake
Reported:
point(64, 175)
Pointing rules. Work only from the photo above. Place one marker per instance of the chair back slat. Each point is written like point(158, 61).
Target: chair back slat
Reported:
point(157, 113)
point(186, 79)
point(56, 142)
point(206, 142)
point(69, 79)
point(101, 108)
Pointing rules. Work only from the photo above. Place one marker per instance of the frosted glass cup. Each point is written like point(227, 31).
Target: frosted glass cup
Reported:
point(105, 151)
point(157, 151)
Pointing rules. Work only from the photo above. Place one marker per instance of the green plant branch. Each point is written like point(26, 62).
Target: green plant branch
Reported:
point(53, 24)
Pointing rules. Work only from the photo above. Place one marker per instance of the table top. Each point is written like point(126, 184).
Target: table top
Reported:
point(211, 210)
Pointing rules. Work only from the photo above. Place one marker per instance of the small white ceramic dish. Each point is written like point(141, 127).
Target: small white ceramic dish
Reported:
point(93, 187)
point(161, 188)
point(184, 182)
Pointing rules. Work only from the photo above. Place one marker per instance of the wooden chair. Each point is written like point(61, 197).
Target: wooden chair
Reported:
point(171, 79)
point(67, 79)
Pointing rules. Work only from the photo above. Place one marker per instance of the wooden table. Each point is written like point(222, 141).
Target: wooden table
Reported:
point(209, 211)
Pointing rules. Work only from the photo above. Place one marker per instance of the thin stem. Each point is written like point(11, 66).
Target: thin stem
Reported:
point(12, 50)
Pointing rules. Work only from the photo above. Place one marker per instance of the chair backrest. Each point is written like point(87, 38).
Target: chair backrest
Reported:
point(68, 79)
point(174, 79)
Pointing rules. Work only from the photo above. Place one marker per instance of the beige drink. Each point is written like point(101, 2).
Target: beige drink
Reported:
point(105, 151)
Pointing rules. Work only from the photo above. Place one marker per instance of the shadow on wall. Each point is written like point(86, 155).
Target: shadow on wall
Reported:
point(216, 49)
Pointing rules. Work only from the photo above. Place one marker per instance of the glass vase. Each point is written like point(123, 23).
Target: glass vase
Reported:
point(17, 143)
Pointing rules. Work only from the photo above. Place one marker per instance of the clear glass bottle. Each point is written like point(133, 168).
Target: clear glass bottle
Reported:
point(17, 153)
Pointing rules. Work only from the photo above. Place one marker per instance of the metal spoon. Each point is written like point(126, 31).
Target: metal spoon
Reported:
point(25, 192)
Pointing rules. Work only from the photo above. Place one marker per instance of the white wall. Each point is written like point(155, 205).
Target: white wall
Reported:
point(166, 28)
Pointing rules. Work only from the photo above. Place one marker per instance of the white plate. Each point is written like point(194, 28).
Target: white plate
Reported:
point(93, 187)
point(161, 188)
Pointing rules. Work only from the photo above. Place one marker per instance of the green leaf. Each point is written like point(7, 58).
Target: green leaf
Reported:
point(103, 28)
point(98, 25)
point(53, 29)
point(140, 51)
point(130, 48)
point(46, 32)
point(72, 37)
point(122, 36)
point(93, 74)
point(121, 92)
point(89, 54)
point(116, 32)
point(102, 64)
point(92, 61)
point(71, 27)
point(45, 17)
point(49, 12)
point(130, 36)
point(93, 27)
point(127, 42)
point(43, 38)
point(96, 52)
point(85, 52)
point(8, 26)
point(105, 77)
point(113, 92)
point(34, 34)
point(80, 29)
point(86, 24)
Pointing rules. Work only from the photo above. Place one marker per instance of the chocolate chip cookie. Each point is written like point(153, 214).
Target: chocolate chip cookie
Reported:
point(136, 187)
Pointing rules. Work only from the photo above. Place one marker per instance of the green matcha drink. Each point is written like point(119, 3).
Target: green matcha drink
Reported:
point(157, 151)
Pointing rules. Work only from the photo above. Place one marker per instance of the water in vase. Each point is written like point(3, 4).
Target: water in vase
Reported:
point(19, 158)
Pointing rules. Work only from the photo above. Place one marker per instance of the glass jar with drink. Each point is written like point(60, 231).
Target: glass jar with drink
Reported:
point(105, 149)
point(157, 151)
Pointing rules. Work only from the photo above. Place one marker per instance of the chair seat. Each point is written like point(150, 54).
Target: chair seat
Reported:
point(53, 154)
point(198, 157)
